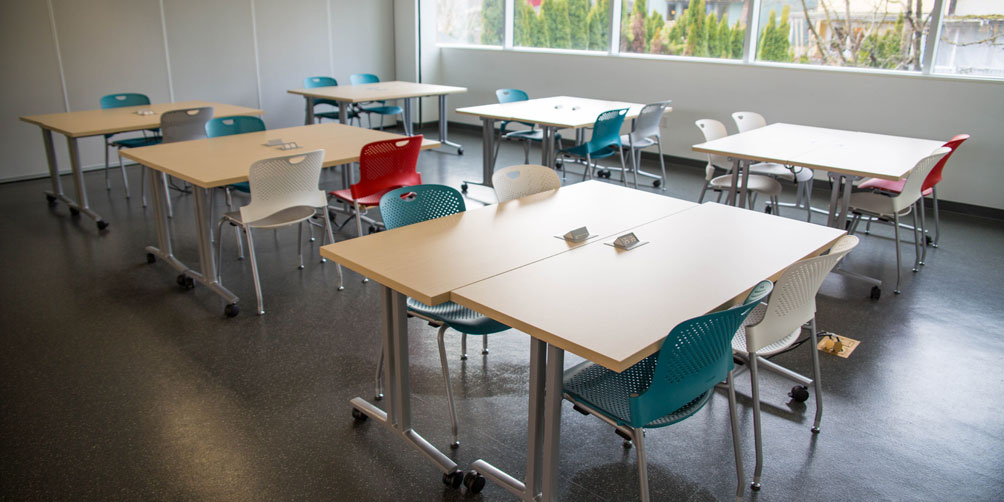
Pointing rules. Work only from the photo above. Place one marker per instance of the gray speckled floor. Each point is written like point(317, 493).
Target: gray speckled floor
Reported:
point(116, 384)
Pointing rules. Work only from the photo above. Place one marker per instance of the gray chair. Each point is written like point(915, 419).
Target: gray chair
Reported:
point(645, 133)
point(748, 121)
point(179, 125)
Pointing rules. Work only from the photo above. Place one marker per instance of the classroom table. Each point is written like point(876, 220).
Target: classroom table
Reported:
point(82, 124)
point(346, 95)
point(217, 162)
point(845, 154)
point(429, 260)
point(552, 114)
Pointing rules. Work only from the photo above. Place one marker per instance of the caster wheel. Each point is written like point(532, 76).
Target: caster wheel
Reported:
point(151, 258)
point(453, 479)
point(768, 209)
point(799, 393)
point(755, 487)
point(454, 445)
point(656, 183)
point(627, 444)
point(815, 430)
point(358, 416)
point(51, 200)
point(102, 224)
point(231, 310)
point(74, 211)
point(463, 357)
point(474, 482)
point(460, 151)
point(372, 229)
point(463, 188)
point(378, 397)
point(928, 240)
point(605, 174)
point(876, 292)
point(484, 352)
point(185, 281)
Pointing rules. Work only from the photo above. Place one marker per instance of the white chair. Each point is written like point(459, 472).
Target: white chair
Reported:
point(178, 125)
point(889, 207)
point(645, 133)
point(514, 182)
point(776, 325)
point(757, 184)
point(284, 191)
point(747, 121)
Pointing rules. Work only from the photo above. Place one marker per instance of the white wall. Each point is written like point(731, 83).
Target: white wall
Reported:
point(199, 49)
point(925, 107)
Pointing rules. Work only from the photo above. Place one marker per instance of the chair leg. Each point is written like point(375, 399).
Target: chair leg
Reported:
point(449, 388)
point(254, 268)
point(808, 200)
point(815, 377)
point(937, 229)
point(125, 180)
point(142, 184)
point(638, 436)
point(526, 151)
point(757, 441)
point(635, 160)
point(589, 168)
point(167, 195)
point(237, 230)
point(108, 183)
point(299, 243)
point(219, 249)
point(463, 347)
point(923, 230)
point(359, 226)
point(916, 240)
point(620, 151)
point(736, 440)
point(899, 271)
point(484, 345)
point(378, 392)
point(662, 163)
point(703, 191)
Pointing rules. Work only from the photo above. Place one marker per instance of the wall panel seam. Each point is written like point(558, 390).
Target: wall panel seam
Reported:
point(167, 52)
point(59, 55)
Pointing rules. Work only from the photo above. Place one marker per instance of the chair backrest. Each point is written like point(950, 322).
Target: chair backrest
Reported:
point(419, 203)
point(124, 99)
point(607, 129)
point(747, 121)
point(238, 124)
point(363, 78)
point(312, 82)
point(712, 130)
point(284, 182)
point(387, 164)
point(185, 125)
point(935, 176)
point(696, 355)
point(911, 189)
point(510, 95)
point(514, 182)
point(647, 123)
point(793, 302)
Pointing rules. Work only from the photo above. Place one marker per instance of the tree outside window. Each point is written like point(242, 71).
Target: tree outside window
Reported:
point(562, 24)
point(699, 28)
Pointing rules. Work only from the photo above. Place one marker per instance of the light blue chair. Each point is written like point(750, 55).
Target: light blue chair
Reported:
point(605, 141)
point(668, 386)
point(524, 135)
point(415, 204)
point(381, 108)
point(118, 101)
point(314, 82)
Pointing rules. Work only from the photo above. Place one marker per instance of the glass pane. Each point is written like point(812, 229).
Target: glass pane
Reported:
point(972, 38)
point(700, 28)
point(476, 22)
point(562, 24)
point(885, 34)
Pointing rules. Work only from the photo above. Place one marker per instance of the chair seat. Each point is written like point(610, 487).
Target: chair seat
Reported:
point(739, 340)
point(530, 135)
point(458, 317)
point(888, 186)
point(583, 149)
point(371, 200)
point(322, 101)
point(136, 142)
point(243, 186)
point(285, 217)
point(875, 203)
point(334, 115)
point(383, 109)
point(641, 143)
point(608, 392)
point(760, 184)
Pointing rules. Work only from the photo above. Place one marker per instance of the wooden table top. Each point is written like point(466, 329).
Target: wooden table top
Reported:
point(565, 112)
point(115, 120)
point(428, 260)
point(614, 307)
point(378, 91)
point(834, 150)
point(224, 160)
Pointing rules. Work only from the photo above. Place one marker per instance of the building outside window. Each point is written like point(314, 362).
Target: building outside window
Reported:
point(472, 22)
point(972, 38)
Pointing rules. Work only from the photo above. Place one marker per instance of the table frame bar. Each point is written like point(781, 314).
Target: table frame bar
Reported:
point(57, 194)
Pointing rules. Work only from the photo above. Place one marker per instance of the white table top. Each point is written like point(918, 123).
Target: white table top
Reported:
point(378, 91)
point(565, 112)
point(614, 307)
point(115, 120)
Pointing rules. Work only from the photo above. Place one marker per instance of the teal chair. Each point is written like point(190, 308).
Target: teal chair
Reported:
point(606, 141)
point(118, 101)
point(314, 82)
point(670, 385)
point(524, 135)
point(415, 204)
point(381, 108)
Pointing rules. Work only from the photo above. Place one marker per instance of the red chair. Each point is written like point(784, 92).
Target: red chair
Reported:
point(928, 188)
point(383, 166)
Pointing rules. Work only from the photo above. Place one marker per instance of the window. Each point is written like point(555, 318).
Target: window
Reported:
point(562, 24)
point(700, 28)
point(477, 22)
point(972, 38)
point(886, 34)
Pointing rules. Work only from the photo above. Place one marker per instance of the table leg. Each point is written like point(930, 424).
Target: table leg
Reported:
point(848, 187)
point(442, 126)
point(743, 192)
point(835, 183)
point(343, 118)
point(57, 185)
point(487, 154)
point(76, 206)
point(408, 125)
point(734, 188)
point(552, 423)
point(310, 111)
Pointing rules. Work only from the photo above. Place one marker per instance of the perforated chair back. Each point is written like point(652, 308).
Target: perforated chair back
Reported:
point(419, 203)
point(712, 130)
point(284, 182)
point(935, 176)
point(514, 182)
point(185, 125)
point(915, 179)
point(511, 95)
point(696, 355)
point(747, 121)
point(312, 82)
point(793, 302)
point(124, 99)
point(647, 123)
point(363, 78)
point(387, 164)
point(607, 129)
point(239, 124)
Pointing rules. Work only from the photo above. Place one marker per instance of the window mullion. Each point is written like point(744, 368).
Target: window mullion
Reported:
point(508, 14)
point(615, 27)
point(752, 28)
point(933, 34)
